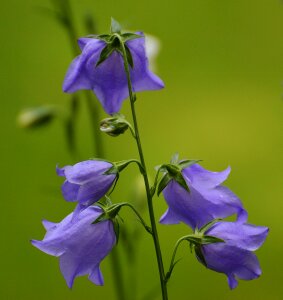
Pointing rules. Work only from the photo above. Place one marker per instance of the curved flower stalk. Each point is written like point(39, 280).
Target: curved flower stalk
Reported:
point(204, 200)
point(235, 256)
point(87, 182)
point(108, 80)
point(79, 244)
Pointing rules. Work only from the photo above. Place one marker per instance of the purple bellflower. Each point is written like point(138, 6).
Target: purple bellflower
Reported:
point(206, 199)
point(108, 80)
point(234, 256)
point(79, 244)
point(86, 182)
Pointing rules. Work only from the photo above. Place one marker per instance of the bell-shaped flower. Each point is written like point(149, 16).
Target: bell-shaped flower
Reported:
point(87, 181)
point(108, 80)
point(206, 199)
point(79, 244)
point(234, 257)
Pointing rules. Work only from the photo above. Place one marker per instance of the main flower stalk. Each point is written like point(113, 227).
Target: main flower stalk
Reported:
point(145, 177)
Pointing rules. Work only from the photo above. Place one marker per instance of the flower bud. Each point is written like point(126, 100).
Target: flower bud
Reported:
point(36, 117)
point(114, 126)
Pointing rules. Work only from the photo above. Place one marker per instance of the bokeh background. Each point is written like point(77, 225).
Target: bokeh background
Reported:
point(222, 63)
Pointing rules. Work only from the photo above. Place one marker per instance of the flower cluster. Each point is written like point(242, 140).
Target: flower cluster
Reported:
point(114, 67)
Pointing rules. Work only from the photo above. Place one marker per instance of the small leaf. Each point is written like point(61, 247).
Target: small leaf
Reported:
point(115, 26)
point(163, 183)
point(105, 53)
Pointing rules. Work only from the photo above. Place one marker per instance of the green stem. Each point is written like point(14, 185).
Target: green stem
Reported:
point(146, 182)
point(146, 227)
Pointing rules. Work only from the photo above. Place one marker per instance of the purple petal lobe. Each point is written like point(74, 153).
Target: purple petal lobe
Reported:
point(245, 236)
point(96, 276)
point(232, 281)
point(70, 191)
point(169, 217)
point(202, 178)
point(48, 225)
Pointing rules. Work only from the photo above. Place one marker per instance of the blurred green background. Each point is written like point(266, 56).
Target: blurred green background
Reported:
point(222, 63)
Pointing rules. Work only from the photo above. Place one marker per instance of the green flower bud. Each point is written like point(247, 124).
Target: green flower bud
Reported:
point(114, 126)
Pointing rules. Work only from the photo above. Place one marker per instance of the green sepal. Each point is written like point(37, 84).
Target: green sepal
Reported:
point(205, 227)
point(163, 183)
point(188, 162)
point(175, 158)
point(199, 255)
point(207, 239)
point(121, 165)
point(195, 240)
point(128, 36)
point(112, 170)
point(102, 37)
point(115, 26)
point(116, 227)
point(180, 179)
point(105, 53)
point(171, 172)
point(129, 57)
point(109, 213)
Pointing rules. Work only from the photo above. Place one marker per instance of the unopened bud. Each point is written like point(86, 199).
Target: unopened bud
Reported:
point(114, 126)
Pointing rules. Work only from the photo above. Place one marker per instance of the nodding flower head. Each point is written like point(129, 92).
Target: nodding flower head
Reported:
point(79, 244)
